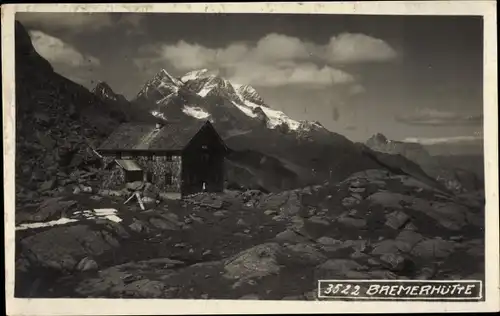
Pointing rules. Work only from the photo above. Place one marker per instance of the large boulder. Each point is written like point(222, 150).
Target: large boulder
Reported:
point(449, 215)
point(131, 280)
point(258, 261)
point(61, 248)
point(52, 208)
point(274, 201)
point(342, 269)
point(269, 259)
point(435, 248)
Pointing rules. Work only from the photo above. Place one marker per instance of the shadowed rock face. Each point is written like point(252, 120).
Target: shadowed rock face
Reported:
point(29, 62)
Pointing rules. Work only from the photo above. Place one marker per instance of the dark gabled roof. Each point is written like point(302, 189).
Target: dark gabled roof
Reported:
point(145, 136)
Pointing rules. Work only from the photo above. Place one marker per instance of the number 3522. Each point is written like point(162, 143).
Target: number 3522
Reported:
point(342, 289)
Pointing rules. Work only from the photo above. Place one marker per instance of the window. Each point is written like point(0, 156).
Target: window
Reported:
point(204, 147)
point(169, 157)
point(151, 157)
point(169, 179)
point(118, 155)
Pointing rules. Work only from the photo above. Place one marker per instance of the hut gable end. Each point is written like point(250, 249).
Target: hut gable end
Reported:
point(206, 138)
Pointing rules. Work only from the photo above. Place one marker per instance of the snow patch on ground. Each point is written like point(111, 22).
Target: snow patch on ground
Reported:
point(100, 213)
point(108, 213)
point(61, 221)
point(195, 112)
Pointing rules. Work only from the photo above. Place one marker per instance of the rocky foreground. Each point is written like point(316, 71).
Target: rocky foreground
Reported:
point(250, 245)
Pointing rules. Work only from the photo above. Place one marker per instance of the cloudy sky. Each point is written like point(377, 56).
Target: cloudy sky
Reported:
point(413, 78)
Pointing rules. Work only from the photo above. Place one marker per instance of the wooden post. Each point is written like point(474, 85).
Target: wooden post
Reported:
point(130, 198)
point(138, 195)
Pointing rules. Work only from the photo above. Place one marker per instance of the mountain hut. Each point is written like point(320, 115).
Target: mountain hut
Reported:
point(175, 157)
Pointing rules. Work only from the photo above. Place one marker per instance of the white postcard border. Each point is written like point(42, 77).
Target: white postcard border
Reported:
point(487, 9)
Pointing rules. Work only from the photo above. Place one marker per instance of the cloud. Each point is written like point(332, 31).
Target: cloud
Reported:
point(79, 22)
point(356, 48)
point(356, 89)
point(65, 20)
point(56, 51)
point(279, 75)
point(443, 140)
point(431, 117)
point(65, 59)
point(273, 60)
point(276, 47)
point(186, 56)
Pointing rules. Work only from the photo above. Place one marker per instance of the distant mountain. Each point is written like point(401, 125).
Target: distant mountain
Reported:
point(413, 151)
point(117, 101)
point(104, 92)
point(455, 175)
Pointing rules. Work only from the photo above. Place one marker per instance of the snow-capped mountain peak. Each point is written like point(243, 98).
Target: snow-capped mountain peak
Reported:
point(193, 94)
point(165, 77)
point(195, 74)
point(247, 92)
point(162, 83)
point(217, 85)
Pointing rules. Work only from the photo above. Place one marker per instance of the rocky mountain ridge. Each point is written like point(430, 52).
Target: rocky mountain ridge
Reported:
point(58, 123)
point(454, 177)
point(104, 92)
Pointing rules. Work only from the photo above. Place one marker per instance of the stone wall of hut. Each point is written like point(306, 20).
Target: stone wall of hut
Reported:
point(165, 171)
point(115, 176)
